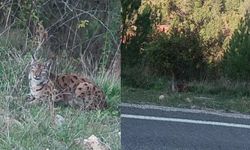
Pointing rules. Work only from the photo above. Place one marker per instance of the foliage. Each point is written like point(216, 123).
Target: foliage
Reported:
point(210, 25)
point(213, 20)
point(133, 44)
point(178, 53)
point(129, 9)
point(237, 59)
point(134, 76)
point(137, 30)
point(75, 28)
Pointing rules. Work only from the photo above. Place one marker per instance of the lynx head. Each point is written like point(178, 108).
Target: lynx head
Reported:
point(39, 72)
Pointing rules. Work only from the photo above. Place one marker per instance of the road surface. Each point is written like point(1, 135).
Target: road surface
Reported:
point(163, 128)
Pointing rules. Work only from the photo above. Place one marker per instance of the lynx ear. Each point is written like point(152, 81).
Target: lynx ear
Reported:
point(33, 58)
point(48, 63)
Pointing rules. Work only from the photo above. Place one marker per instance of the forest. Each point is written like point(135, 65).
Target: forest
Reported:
point(187, 51)
point(80, 37)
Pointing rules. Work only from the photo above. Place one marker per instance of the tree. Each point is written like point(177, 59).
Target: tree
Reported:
point(178, 55)
point(237, 59)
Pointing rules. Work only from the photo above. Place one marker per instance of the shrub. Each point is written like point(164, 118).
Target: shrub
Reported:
point(178, 54)
point(237, 59)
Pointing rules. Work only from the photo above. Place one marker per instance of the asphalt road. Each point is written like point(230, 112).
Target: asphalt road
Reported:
point(150, 128)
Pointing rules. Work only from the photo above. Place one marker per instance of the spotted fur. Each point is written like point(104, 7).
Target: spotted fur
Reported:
point(69, 89)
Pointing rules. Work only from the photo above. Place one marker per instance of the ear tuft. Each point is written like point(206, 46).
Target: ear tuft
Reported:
point(48, 63)
point(33, 58)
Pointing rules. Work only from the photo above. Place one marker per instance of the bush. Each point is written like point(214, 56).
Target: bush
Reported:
point(237, 59)
point(178, 54)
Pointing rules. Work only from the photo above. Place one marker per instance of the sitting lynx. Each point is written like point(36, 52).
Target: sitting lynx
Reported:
point(68, 88)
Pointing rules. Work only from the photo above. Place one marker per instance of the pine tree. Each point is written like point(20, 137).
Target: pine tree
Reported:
point(237, 59)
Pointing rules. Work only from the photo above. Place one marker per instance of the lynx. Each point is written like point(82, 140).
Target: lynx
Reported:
point(69, 89)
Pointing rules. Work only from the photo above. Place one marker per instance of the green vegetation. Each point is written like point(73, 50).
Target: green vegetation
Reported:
point(178, 54)
point(194, 42)
point(237, 58)
point(80, 38)
point(218, 95)
point(33, 128)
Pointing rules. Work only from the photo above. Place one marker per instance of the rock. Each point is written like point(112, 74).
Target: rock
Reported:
point(91, 143)
point(161, 97)
point(189, 100)
point(94, 143)
point(59, 120)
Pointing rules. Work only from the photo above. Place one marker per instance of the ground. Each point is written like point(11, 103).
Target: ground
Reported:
point(228, 97)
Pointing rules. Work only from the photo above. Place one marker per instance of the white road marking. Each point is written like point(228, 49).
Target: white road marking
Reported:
point(185, 110)
point(185, 121)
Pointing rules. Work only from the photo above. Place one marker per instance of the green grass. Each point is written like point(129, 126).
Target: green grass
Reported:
point(35, 131)
point(23, 127)
point(219, 95)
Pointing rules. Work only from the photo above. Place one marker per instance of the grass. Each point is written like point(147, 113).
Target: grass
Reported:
point(35, 131)
point(218, 95)
point(31, 127)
